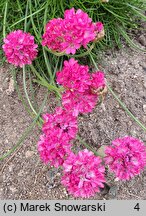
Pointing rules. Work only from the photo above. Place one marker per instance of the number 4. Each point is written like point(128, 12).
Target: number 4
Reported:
point(137, 207)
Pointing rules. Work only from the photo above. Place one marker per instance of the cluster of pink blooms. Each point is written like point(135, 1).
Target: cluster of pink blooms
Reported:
point(83, 174)
point(79, 87)
point(126, 157)
point(58, 130)
point(19, 48)
point(53, 149)
point(62, 121)
point(69, 34)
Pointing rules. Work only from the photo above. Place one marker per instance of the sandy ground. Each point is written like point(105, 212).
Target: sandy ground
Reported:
point(24, 176)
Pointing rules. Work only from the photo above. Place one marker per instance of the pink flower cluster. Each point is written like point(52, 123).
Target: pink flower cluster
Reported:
point(69, 34)
point(83, 174)
point(79, 84)
point(61, 121)
point(53, 149)
point(126, 157)
point(79, 102)
point(19, 48)
point(58, 130)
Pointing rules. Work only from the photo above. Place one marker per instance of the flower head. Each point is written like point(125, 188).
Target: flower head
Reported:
point(126, 157)
point(54, 35)
point(98, 27)
point(53, 149)
point(74, 76)
point(58, 129)
point(81, 87)
point(82, 28)
point(97, 81)
point(79, 102)
point(61, 121)
point(83, 174)
point(69, 34)
point(19, 48)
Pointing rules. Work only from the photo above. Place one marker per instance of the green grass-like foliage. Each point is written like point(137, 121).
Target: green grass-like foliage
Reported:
point(117, 15)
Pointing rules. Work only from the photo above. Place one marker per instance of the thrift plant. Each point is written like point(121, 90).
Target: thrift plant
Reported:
point(80, 90)
point(126, 157)
point(79, 95)
point(69, 34)
point(83, 174)
point(19, 48)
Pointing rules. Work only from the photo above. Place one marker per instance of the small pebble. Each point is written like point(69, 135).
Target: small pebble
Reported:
point(113, 192)
point(144, 108)
point(51, 185)
point(13, 189)
point(142, 40)
point(11, 166)
point(45, 169)
point(29, 154)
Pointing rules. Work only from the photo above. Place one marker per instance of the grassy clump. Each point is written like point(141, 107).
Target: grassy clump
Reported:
point(118, 16)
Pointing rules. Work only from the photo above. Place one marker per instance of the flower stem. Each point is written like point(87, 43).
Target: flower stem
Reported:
point(36, 12)
point(45, 83)
point(13, 72)
point(76, 55)
point(25, 21)
point(25, 90)
point(126, 109)
point(48, 67)
point(4, 21)
point(87, 146)
point(95, 65)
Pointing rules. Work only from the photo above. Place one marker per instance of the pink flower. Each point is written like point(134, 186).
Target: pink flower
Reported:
point(62, 120)
point(74, 76)
point(126, 157)
point(79, 102)
point(59, 37)
point(69, 34)
point(81, 87)
point(19, 48)
point(97, 80)
point(53, 149)
point(83, 174)
point(83, 30)
point(54, 35)
point(98, 27)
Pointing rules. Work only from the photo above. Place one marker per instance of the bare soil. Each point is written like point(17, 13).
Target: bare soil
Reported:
point(24, 176)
